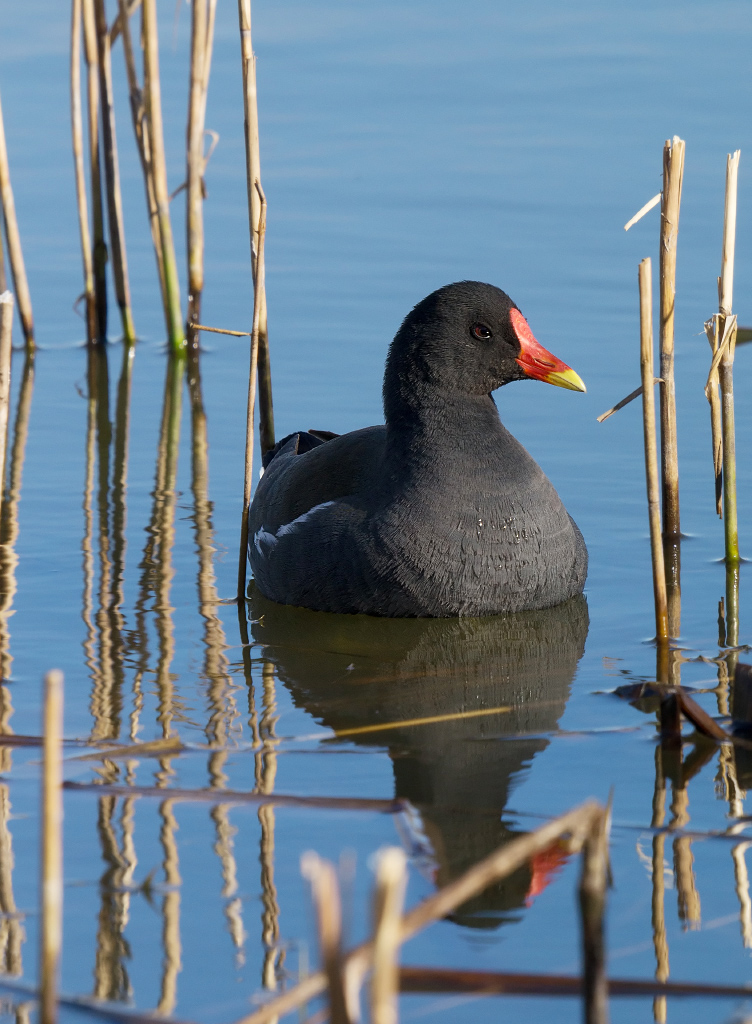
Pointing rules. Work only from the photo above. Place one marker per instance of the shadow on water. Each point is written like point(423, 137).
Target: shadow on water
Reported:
point(479, 696)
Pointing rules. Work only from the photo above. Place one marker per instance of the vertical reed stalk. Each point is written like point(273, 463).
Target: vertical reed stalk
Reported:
point(326, 898)
point(153, 106)
point(592, 908)
point(52, 848)
point(99, 253)
point(716, 428)
point(78, 161)
point(13, 238)
point(248, 481)
point(6, 331)
point(138, 117)
point(112, 172)
point(195, 161)
point(727, 325)
point(673, 173)
point(651, 460)
point(391, 880)
point(253, 174)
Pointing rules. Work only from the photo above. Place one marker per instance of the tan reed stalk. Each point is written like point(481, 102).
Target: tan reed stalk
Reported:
point(592, 908)
point(78, 161)
point(13, 238)
point(391, 880)
point(727, 324)
point(651, 453)
point(716, 429)
point(117, 25)
point(248, 481)
point(99, 252)
point(195, 162)
point(326, 898)
point(142, 143)
point(673, 173)
point(3, 278)
point(502, 862)
point(153, 106)
point(112, 176)
point(253, 174)
point(6, 349)
point(52, 848)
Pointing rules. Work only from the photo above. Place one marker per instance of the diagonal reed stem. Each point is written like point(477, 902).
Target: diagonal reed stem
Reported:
point(99, 251)
point(153, 107)
point(13, 238)
point(112, 176)
point(80, 172)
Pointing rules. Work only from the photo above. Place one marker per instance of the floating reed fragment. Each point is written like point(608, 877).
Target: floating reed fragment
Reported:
point(253, 174)
point(651, 454)
point(248, 481)
point(158, 167)
point(673, 173)
point(13, 238)
point(52, 848)
point(99, 251)
point(112, 175)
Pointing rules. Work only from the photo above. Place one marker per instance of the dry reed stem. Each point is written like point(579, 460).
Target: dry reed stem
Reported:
point(230, 796)
point(253, 174)
point(391, 881)
point(153, 107)
point(99, 250)
point(624, 402)
point(326, 899)
point(592, 908)
point(221, 330)
point(673, 173)
point(80, 172)
point(117, 25)
point(713, 396)
point(642, 211)
point(13, 238)
point(6, 350)
point(726, 365)
point(195, 159)
point(141, 133)
point(248, 481)
point(651, 453)
point(112, 176)
point(502, 862)
point(447, 980)
point(52, 848)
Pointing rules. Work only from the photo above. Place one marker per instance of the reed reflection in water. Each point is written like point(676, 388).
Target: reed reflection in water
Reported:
point(484, 694)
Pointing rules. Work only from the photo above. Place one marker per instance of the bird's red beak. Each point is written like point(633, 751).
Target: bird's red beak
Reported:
point(537, 362)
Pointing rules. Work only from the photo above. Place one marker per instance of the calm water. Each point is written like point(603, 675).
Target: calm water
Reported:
point(403, 146)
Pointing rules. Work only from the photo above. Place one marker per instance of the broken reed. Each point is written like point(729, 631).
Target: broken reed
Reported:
point(253, 174)
point(673, 173)
point(258, 292)
point(13, 238)
point(52, 849)
point(651, 450)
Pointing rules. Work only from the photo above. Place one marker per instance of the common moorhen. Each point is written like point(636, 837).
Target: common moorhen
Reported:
point(441, 512)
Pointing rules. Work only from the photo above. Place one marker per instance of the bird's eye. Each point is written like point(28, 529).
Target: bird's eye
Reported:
point(481, 332)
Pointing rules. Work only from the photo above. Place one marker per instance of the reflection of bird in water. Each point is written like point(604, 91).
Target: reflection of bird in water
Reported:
point(354, 673)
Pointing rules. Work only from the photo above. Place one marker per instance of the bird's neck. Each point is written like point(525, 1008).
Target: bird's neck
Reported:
point(444, 426)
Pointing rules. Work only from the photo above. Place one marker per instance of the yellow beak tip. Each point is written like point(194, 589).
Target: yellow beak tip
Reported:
point(566, 379)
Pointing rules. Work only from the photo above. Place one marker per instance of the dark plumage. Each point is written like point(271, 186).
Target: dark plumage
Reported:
point(441, 512)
